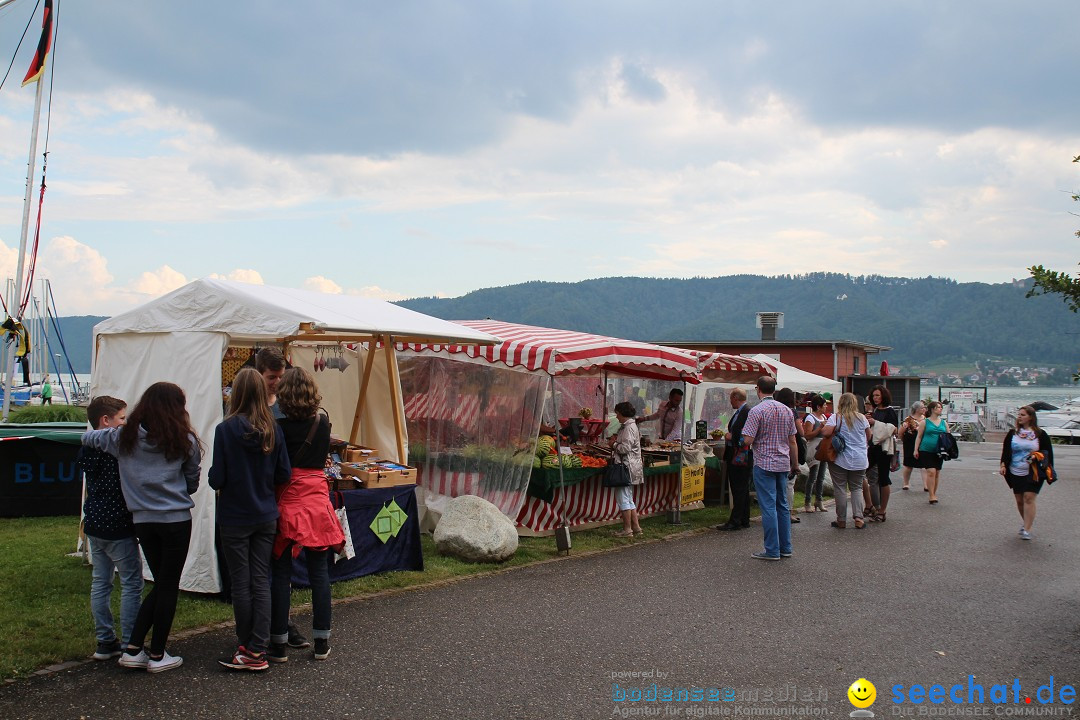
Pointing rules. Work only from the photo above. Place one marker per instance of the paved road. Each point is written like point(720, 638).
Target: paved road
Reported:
point(931, 596)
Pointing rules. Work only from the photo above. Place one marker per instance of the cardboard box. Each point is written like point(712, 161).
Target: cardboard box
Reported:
point(380, 477)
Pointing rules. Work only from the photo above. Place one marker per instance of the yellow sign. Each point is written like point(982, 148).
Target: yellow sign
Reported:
point(693, 483)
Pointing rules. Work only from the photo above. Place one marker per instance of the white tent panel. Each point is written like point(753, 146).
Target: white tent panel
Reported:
point(340, 391)
point(125, 365)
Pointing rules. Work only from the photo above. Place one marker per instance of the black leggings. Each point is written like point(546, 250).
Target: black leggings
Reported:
point(165, 546)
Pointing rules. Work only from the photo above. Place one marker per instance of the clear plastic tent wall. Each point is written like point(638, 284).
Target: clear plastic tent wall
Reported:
point(472, 428)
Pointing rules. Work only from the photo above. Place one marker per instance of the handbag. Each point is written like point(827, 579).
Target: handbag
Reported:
point(741, 458)
point(616, 475)
point(828, 451)
point(839, 444)
point(348, 552)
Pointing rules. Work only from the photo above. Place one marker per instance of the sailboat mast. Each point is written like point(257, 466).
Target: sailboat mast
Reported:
point(22, 246)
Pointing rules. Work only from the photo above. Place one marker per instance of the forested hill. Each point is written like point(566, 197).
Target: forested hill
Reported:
point(924, 320)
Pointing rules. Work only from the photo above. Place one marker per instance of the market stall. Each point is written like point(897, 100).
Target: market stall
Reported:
point(475, 414)
point(191, 334)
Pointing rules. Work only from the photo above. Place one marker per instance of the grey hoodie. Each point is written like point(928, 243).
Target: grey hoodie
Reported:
point(156, 490)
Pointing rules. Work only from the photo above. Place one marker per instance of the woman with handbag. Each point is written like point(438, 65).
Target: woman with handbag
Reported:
point(909, 430)
point(812, 427)
point(848, 436)
point(626, 452)
point(307, 520)
point(931, 429)
point(1016, 464)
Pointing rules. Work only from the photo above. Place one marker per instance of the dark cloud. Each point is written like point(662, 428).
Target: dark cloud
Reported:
point(385, 78)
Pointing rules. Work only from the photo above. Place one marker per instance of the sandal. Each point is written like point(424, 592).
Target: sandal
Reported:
point(818, 507)
point(839, 524)
point(796, 519)
point(639, 531)
point(623, 533)
point(859, 524)
point(880, 517)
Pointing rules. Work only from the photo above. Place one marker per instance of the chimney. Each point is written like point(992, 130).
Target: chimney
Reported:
point(769, 322)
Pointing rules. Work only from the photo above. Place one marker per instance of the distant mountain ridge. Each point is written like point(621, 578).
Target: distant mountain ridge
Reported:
point(78, 334)
point(925, 320)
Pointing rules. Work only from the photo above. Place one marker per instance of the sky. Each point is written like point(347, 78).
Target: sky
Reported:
point(410, 148)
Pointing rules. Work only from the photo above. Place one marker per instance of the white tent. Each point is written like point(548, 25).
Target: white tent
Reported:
point(183, 336)
point(786, 376)
point(799, 380)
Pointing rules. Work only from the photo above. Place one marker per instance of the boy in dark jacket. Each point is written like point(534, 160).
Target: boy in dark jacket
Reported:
point(111, 534)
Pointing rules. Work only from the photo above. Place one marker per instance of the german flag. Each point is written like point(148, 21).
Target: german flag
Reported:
point(44, 45)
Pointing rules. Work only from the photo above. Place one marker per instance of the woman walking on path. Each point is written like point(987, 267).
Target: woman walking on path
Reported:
point(884, 425)
point(1016, 450)
point(249, 460)
point(307, 519)
point(812, 427)
point(626, 448)
point(931, 429)
point(849, 470)
point(158, 454)
point(909, 430)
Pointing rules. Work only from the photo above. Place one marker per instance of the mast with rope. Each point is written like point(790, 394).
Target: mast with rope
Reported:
point(22, 295)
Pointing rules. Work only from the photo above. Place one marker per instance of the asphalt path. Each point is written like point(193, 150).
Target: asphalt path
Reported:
point(932, 596)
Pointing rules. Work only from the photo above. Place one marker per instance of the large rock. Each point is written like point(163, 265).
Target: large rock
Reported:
point(474, 530)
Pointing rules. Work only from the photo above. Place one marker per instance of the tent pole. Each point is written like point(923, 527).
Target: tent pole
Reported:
point(395, 398)
point(365, 380)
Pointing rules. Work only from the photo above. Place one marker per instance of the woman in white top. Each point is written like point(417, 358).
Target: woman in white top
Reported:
point(849, 470)
point(812, 427)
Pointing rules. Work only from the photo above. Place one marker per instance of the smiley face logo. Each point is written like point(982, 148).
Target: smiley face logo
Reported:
point(862, 693)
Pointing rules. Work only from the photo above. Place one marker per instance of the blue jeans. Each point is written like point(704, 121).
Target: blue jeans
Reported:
point(247, 550)
point(121, 556)
point(318, 567)
point(771, 490)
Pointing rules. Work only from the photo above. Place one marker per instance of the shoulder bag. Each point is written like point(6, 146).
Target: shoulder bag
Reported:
point(616, 475)
point(741, 458)
point(828, 451)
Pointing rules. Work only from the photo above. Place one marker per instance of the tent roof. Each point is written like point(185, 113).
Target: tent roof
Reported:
point(799, 380)
point(721, 367)
point(558, 352)
point(265, 313)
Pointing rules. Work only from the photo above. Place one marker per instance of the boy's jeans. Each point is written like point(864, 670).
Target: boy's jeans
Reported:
point(123, 556)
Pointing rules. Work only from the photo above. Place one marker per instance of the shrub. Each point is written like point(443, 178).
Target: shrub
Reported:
point(30, 414)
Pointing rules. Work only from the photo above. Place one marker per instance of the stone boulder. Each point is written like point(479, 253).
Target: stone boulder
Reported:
point(474, 530)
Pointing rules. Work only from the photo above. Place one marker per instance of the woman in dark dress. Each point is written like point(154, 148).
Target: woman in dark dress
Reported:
point(880, 459)
point(909, 430)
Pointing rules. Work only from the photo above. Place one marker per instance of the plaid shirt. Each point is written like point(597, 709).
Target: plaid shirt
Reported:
point(771, 424)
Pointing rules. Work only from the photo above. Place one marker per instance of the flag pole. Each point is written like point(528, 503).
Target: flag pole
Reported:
point(27, 199)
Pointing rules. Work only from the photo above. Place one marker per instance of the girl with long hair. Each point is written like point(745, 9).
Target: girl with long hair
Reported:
point(849, 469)
point(307, 521)
point(1016, 450)
point(158, 454)
point(931, 428)
point(249, 460)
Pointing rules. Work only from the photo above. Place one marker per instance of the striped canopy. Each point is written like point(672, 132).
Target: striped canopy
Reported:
point(561, 352)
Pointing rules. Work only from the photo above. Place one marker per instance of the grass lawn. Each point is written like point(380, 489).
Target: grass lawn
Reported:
point(45, 606)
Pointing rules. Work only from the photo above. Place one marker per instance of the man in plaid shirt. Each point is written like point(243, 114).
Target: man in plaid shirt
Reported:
point(770, 430)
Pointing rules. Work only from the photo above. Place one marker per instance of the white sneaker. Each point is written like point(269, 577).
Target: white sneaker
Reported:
point(135, 662)
point(1025, 535)
point(167, 662)
point(1021, 532)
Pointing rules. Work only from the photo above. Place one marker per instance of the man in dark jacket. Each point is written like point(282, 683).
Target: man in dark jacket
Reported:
point(738, 476)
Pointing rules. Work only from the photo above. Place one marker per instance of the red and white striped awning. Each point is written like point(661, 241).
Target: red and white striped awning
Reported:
point(559, 352)
point(721, 367)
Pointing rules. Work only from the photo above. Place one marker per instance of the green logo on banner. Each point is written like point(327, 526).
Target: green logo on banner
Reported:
point(389, 521)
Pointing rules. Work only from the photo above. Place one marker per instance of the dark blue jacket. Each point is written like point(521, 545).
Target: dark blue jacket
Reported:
point(244, 475)
point(105, 514)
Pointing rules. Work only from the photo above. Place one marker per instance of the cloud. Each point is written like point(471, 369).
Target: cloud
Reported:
point(253, 277)
point(323, 285)
point(374, 291)
point(155, 283)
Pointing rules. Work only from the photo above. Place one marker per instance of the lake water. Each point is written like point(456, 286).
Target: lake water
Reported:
point(1014, 397)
